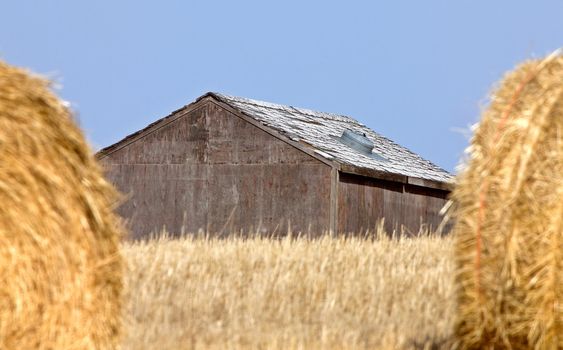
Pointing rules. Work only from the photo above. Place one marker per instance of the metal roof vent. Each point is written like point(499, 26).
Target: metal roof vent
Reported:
point(357, 141)
point(360, 143)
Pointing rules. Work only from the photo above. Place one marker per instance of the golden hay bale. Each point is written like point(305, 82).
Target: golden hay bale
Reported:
point(508, 211)
point(59, 260)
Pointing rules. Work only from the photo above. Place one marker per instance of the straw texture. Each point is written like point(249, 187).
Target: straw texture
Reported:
point(59, 261)
point(508, 211)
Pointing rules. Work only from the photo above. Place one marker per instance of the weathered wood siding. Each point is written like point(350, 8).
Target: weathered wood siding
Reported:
point(209, 170)
point(363, 201)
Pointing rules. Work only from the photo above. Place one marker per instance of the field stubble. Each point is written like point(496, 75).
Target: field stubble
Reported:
point(289, 293)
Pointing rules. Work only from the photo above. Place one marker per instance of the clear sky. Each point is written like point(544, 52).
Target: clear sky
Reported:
point(417, 72)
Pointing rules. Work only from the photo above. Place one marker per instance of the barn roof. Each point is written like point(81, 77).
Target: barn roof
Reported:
point(319, 133)
point(322, 132)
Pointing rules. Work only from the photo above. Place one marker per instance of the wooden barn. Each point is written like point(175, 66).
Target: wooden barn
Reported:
point(226, 164)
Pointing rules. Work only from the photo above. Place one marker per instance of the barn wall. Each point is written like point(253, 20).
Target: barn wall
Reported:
point(363, 201)
point(211, 171)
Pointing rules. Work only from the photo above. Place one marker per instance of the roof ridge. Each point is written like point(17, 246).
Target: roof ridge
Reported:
point(282, 107)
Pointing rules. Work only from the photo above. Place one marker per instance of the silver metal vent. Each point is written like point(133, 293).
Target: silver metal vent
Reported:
point(357, 141)
point(360, 143)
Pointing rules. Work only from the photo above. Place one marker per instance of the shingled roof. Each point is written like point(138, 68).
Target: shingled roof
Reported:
point(320, 133)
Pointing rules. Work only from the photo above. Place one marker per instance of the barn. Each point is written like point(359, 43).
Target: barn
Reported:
point(225, 164)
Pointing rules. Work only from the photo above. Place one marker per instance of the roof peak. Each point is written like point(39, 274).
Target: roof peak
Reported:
point(281, 107)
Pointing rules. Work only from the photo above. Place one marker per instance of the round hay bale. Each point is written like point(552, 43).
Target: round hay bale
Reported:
point(59, 259)
point(508, 209)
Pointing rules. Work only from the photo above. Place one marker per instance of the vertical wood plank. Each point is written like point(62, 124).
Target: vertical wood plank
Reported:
point(334, 185)
point(364, 201)
point(211, 171)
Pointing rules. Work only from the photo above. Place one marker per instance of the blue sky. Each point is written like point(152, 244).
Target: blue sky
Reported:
point(417, 72)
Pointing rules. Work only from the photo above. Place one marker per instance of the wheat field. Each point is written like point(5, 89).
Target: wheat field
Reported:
point(289, 293)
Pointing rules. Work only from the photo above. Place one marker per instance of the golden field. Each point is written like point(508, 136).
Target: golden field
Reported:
point(290, 293)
